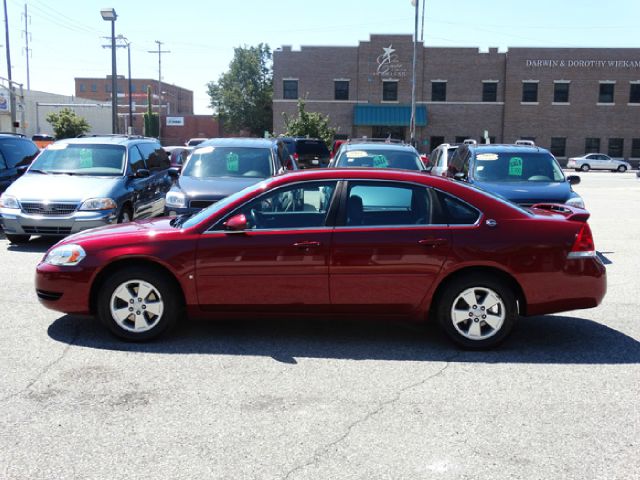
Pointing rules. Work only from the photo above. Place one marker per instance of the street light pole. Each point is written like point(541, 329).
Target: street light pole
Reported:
point(109, 15)
point(412, 125)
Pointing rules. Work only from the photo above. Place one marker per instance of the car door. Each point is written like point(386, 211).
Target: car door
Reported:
point(388, 247)
point(158, 164)
point(607, 162)
point(279, 263)
point(140, 187)
point(6, 175)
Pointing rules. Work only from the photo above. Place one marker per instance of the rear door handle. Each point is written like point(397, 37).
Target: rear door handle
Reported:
point(306, 244)
point(433, 242)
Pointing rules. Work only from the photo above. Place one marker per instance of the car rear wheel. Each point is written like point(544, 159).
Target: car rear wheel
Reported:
point(477, 311)
point(138, 304)
point(622, 168)
point(18, 239)
point(585, 167)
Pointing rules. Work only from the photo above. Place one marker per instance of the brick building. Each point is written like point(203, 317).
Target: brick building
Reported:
point(571, 100)
point(175, 104)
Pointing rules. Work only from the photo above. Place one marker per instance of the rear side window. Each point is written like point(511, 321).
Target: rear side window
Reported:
point(312, 147)
point(455, 212)
point(157, 159)
point(17, 152)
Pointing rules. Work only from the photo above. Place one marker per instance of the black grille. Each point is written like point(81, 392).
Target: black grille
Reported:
point(52, 296)
point(201, 203)
point(47, 230)
point(49, 209)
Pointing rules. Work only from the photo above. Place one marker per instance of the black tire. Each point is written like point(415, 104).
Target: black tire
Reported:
point(478, 285)
point(125, 214)
point(18, 239)
point(163, 293)
point(622, 169)
point(586, 167)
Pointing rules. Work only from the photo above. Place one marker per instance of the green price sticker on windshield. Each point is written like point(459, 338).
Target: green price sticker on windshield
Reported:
point(380, 161)
point(233, 162)
point(86, 160)
point(515, 167)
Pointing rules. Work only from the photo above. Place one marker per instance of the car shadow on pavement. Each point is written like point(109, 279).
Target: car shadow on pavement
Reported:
point(544, 339)
point(35, 245)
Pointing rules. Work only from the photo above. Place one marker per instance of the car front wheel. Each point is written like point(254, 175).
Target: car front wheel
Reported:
point(477, 311)
point(138, 304)
point(585, 167)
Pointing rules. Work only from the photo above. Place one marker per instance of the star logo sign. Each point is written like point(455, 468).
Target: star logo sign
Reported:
point(387, 52)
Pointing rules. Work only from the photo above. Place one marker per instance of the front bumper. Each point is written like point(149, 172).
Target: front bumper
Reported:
point(16, 222)
point(64, 289)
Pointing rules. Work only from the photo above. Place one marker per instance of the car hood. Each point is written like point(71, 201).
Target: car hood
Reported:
point(530, 192)
point(214, 187)
point(60, 187)
point(146, 228)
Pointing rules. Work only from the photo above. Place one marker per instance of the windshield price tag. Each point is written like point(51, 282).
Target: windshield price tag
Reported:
point(380, 161)
point(233, 162)
point(515, 166)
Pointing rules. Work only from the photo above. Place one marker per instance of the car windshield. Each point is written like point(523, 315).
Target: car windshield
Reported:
point(81, 159)
point(210, 161)
point(216, 207)
point(517, 167)
point(379, 158)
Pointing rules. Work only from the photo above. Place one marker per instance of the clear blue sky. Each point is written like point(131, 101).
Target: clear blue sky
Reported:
point(66, 34)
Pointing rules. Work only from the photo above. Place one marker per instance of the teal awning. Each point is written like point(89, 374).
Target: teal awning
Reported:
point(388, 115)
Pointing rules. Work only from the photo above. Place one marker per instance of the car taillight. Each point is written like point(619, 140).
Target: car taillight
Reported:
point(583, 245)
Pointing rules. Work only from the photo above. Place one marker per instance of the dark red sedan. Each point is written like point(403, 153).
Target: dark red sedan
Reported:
point(353, 241)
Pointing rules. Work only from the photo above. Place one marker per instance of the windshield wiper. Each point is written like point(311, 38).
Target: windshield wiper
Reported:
point(180, 219)
point(36, 170)
point(62, 172)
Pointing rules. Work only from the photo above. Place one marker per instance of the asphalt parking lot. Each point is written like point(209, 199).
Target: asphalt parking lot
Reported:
point(276, 399)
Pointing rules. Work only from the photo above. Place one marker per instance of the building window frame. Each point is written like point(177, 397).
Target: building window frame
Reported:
point(390, 94)
point(592, 145)
point(635, 148)
point(530, 92)
point(94, 87)
point(438, 90)
point(634, 92)
point(615, 147)
point(561, 97)
point(290, 89)
point(606, 97)
point(341, 89)
point(489, 96)
point(558, 147)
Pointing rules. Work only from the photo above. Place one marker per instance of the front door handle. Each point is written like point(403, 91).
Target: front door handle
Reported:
point(306, 244)
point(433, 242)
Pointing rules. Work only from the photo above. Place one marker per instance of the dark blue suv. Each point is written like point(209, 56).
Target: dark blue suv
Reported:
point(523, 174)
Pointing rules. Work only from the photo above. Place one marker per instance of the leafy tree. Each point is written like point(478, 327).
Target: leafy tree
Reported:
point(66, 124)
point(242, 97)
point(311, 124)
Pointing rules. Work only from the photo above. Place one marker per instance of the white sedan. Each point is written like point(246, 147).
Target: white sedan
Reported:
point(597, 161)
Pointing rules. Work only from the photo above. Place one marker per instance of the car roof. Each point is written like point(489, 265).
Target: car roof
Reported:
point(107, 139)
point(505, 148)
point(377, 145)
point(239, 142)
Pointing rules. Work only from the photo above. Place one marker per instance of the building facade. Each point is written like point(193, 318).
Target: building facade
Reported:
point(570, 100)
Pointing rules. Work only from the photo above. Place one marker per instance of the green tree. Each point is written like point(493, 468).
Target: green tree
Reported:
point(309, 124)
point(242, 97)
point(66, 124)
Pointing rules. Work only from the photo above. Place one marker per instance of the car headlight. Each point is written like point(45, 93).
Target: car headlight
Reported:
point(176, 200)
point(9, 201)
point(98, 204)
point(67, 255)
point(575, 202)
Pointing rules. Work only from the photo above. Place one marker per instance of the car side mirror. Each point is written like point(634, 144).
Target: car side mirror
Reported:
point(460, 176)
point(142, 173)
point(174, 172)
point(237, 223)
point(573, 179)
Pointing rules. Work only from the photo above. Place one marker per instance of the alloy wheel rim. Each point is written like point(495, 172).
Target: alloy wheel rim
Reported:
point(478, 313)
point(136, 306)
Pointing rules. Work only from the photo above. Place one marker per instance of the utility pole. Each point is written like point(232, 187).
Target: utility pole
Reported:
point(27, 50)
point(12, 97)
point(159, 52)
point(127, 45)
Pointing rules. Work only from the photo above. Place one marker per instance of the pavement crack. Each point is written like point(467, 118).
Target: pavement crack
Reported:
point(320, 451)
point(46, 368)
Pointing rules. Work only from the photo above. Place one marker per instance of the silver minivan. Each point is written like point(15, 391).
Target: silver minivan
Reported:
point(82, 183)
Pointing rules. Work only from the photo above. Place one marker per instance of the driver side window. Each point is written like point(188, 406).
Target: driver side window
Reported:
point(298, 206)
